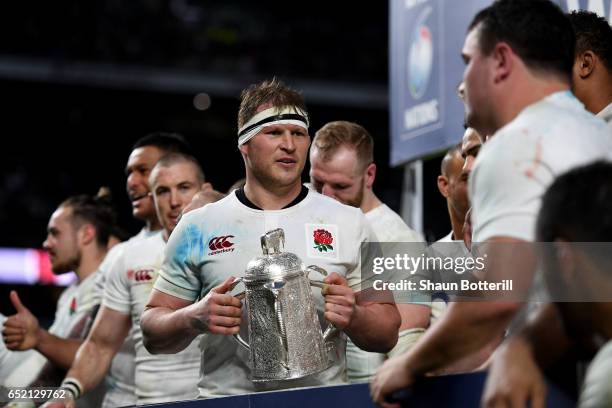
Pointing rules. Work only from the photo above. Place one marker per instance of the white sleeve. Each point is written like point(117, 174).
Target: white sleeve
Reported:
point(506, 188)
point(117, 286)
point(179, 274)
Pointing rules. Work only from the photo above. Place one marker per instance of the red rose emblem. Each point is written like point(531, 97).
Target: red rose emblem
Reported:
point(323, 240)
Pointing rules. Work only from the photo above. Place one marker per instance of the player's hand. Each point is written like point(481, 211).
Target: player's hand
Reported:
point(21, 330)
point(218, 312)
point(392, 376)
point(339, 301)
point(514, 379)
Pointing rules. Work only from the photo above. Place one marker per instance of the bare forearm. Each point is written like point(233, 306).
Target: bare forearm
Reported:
point(91, 364)
point(58, 351)
point(166, 330)
point(374, 327)
point(465, 328)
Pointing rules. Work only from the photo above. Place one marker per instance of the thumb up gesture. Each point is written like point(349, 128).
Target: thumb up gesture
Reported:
point(21, 330)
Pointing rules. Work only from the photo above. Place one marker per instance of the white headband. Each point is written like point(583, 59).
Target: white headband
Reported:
point(273, 116)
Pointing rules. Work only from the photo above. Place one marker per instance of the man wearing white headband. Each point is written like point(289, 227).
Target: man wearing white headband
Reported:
point(212, 245)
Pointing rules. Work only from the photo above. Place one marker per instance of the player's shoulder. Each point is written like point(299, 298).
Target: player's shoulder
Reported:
point(329, 204)
point(152, 240)
point(137, 250)
point(211, 209)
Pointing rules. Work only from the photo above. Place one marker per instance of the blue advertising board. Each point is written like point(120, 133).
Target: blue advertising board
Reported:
point(426, 37)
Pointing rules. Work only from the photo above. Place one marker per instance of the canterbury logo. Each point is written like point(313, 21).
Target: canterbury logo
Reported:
point(141, 275)
point(220, 243)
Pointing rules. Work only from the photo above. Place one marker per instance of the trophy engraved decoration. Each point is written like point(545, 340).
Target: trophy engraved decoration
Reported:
point(285, 338)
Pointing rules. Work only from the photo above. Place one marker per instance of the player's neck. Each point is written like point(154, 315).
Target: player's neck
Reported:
point(90, 262)
point(600, 98)
point(456, 223)
point(271, 198)
point(524, 94)
point(153, 224)
point(370, 201)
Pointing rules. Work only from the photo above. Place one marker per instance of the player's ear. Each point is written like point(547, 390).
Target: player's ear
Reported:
point(443, 185)
point(370, 175)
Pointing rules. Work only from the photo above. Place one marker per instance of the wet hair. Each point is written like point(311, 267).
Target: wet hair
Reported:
point(537, 30)
point(167, 142)
point(334, 135)
point(96, 210)
point(271, 91)
point(592, 33)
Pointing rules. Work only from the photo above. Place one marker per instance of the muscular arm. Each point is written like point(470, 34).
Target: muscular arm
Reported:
point(374, 326)
point(470, 326)
point(169, 324)
point(94, 357)
point(60, 352)
point(165, 323)
point(413, 316)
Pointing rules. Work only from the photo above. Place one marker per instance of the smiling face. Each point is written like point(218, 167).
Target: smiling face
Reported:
point(62, 242)
point(339, 176)
point(139, 166)
point(276, 156)
point(173, 187)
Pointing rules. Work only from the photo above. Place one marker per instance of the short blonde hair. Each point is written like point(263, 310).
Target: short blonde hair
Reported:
point(333, 135)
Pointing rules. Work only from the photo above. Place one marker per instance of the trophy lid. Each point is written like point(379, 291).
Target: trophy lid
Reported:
point(274, 263)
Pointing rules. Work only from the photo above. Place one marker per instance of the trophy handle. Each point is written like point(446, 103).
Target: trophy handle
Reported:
point(241, 341)
point(330, 330)
point(315, 268)
point(240, 295)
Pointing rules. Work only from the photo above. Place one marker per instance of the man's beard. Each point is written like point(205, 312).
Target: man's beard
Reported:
point(357, 200)
point(70, 265)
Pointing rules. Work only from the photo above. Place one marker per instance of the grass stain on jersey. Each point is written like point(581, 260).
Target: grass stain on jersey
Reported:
point(191, 245)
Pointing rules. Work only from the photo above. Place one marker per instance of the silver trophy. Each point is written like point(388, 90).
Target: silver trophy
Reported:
point(285, 337)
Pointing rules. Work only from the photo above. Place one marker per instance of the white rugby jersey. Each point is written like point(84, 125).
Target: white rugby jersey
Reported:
point(388, 226)
point(158, 378)
point(516, 166)
point(120, 378)
point(217, 241)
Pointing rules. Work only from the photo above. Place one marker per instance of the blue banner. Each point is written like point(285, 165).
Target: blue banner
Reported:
point(459, 391)
point(426, 37)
